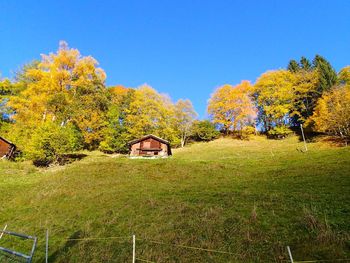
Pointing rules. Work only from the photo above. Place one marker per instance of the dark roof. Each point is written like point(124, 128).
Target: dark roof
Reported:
point(1, 138)
point(149, 136)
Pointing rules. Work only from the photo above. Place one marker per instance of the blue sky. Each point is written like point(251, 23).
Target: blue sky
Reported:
point(185, 48)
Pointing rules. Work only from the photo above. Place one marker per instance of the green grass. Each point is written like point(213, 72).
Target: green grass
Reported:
point(249, 198)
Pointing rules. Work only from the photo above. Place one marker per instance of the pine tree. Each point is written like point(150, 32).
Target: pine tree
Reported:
point(293, 66)
point(305, 64)
point(327, 74)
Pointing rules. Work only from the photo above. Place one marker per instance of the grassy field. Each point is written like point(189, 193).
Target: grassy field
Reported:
point(248, 198)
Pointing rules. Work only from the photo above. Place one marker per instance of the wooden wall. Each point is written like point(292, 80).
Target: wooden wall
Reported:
point(5, 148)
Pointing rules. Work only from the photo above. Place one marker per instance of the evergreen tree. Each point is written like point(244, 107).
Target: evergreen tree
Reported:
point(305, 64)
point(327, 74)
point(293, 66)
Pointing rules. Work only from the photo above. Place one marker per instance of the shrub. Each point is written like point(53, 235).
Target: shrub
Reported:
point(249, 130)
point(204, 131)
point(114, 142)
point(245, 133)
point(279, 132)
point(49, 141)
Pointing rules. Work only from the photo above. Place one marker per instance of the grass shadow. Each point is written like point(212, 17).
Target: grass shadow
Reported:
point(69, 158)
point(62, 159)
point(68, 245)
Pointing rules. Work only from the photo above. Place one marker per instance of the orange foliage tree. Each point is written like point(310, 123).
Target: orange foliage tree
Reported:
point(232, 108)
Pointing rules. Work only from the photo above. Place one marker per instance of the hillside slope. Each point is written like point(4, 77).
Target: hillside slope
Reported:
point(248, 198)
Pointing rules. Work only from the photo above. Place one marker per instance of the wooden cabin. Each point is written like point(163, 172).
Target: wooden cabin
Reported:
point(150, 146)
point(7, 148)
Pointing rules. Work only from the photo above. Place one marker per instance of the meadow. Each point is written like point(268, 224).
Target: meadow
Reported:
point(250, 199)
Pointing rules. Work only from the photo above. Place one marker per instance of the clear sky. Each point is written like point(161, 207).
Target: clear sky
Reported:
point(185, 48)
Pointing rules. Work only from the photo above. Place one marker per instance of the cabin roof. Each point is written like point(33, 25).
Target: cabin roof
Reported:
point(148, 136)
point(7, 141)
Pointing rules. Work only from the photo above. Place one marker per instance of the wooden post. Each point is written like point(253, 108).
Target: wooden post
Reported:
point(2, 233)
point(47, 247)
point(302, 132)
point(290, 255)
point(133, 249)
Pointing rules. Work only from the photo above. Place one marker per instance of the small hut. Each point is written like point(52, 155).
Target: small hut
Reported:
point(7, 148)
point(149, 146)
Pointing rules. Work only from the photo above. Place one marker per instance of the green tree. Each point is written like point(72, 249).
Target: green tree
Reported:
point(305, 64)
point(49, 141)
point(5, 92)
point(115, 135)
point(204, 131)
point(293, 66)
point(327, 74)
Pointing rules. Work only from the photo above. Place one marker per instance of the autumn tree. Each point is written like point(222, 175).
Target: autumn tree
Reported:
point(344, 76)
point(63, 88)
point(312, 79)
point(150, 113)
point(332, 113)
point(231, 107)
point(21, 77)
point(305, 95)
point(274, 93)
point(184, 117)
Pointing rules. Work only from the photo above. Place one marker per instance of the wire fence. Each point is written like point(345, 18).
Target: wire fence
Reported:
point(137, 255)
point(139, 259)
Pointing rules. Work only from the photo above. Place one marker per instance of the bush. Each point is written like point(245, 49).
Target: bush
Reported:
point(204, 131)
point(249, 130)
point(245, 132)
point(114, 142)
point(49, 141)
point(279, 132)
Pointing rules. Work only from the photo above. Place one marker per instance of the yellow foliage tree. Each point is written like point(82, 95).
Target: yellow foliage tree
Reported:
point(64, 87)
point(150, 113)
point(344, 75)
point(305, 95)
point(332, 113)
point(231, 107)
point(274, 94)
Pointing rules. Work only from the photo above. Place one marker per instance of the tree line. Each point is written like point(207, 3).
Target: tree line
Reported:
point(308, 93)
point(61, 104)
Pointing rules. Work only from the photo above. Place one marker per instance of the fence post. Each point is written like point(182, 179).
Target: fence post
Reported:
point(290, 255)
point(133, 249)
point(47, 247)
point(302, 132)
point(2, 233)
